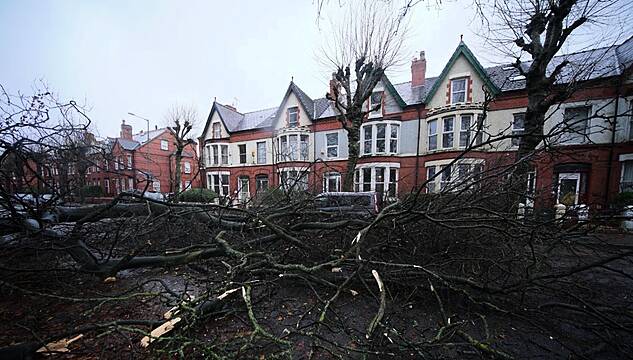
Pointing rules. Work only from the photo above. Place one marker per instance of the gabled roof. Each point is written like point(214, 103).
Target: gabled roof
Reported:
point(128, 144)
point(236, 121)
point(393, 91)
point(462, 50)
point(304, 99)
point(142, 137)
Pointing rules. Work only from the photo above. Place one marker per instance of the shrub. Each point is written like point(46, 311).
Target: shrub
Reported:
point(198, 195)
point(92, 190)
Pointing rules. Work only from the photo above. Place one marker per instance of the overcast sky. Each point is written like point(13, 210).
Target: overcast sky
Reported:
point(143, 56)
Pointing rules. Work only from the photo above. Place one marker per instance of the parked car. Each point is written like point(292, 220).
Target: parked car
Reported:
point(362, 203)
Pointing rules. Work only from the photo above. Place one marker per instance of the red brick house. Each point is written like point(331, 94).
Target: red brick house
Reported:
point(144, 161)
point(424, 124)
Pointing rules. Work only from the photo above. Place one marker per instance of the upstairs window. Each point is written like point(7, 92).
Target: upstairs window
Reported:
point(187, 167)
point(261, 152)
point(293, 147)
point(380, 138)
point(293, 116)
point(575, 124)
point(217, 130)
point(129, 161)
point(432, 126)
point(164, 144)
point(447, 132)
point(458, 90)
point(375, 103)
point(331, 145)
point(242, 150)
point(218, 154)
point(518, 128)
point(464, 130)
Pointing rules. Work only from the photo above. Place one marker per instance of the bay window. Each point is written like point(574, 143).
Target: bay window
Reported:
point(445, 176)
point(382, 178)
point(462, 174)
point(380, 138)
point(261, 183)
point(217, 154)
point(293, 179)
point(293, 147)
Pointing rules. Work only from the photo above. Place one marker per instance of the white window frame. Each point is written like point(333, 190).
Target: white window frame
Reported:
point(624, 184)
point(464, 92)
point(106, 185)
point(465, 131)
point(258, 180)
point(373, 125)
point(299, 182)
point(216, 133)
point(129, 161)
point(441, 182)
point(430, 134)
point(360, 178)
point(187, 167)
point(239, 153)
point(569, 176)
point(164, 144)
point(431, 171)
point(156, 185)
point(221, 186)
point(517, 130)
point(130, 183)
point(575, 137)
point(295, 150)
point(377, 112)
point(261, 153)
point(329, 146)
point(451, 133)
point(333, 175)
point(215, 156)
point(294, 110)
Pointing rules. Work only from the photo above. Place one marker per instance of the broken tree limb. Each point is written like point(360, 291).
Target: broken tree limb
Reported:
point(381, 309)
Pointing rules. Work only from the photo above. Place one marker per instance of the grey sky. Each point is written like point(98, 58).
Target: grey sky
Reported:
point(143, 56)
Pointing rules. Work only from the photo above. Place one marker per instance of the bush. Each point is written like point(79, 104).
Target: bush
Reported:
point(198, 195)
point(92, 190)
point(623, 199)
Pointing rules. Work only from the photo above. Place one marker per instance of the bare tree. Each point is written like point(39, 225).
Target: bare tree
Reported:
point(181, 120)
point(365, 43)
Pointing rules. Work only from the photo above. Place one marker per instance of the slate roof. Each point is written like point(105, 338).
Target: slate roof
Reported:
point(128, 144)
point(142, 137)
point(585, 65)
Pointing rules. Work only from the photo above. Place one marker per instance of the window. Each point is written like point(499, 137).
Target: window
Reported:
point(116, 163)
point(518, 128)
point(217, 152)
point(479, 132)
point(130, 183)
point(382, 178)
point(261, 152)
point(292, 147)
point(292, 179)
point(432, 125)
point(261, 183)
point(458, 90)
point(187, 167)
point(380, 138)
point(106, 165)
point(129, 161)
point(630, 120)
point(218, 182)
point(464, 130)
point(331, 145)
point(293, 117)
point(244, 193)
point(224, 153)
point(242, 151)
point(106, 184)
point(375, 101)
point(156, 185)
point(216, 155)
point(447, 132)
point(164, 144)
point(186, 185)
point(626, 179)
point(217, 130)
point(331, 182)
point(575, 124)
point(430, 181)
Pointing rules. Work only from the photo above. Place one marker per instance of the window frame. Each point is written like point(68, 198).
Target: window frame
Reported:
point(389, 186)
point(431, 135)
point(216, 133)
point(261, 152)
point(328, 146)
point(164, 144)
point(211, 185)
point(450, 133)
point(293, 110)
point(242, 155)
point(575, 137)
point(295, 150)
point(331, 175)
point(259, 180)
point(466, 131)
point(372, 141)
point(378, 112)
point(187, 167)
point(517, 131)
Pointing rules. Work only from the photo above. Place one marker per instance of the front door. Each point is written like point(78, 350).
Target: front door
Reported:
point(568, 188)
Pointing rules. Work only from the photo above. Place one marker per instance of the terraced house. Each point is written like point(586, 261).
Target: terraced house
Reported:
point(422, 125)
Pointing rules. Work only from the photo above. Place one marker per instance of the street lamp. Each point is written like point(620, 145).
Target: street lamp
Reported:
point(140, 117)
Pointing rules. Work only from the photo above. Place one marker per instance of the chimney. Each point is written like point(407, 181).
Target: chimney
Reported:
point(418, 70)
point(332, 85)
point(231, 107)
point(126, 131)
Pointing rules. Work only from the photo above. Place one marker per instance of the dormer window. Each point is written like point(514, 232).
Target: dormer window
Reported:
point(293, 116)
point(217, 130)
point(375, 103)
point(458, 90)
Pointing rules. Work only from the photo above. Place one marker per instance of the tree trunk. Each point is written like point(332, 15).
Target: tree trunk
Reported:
point(178, 173)
point(353, 152)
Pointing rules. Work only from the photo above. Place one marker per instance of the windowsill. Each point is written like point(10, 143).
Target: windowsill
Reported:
point(379, 154)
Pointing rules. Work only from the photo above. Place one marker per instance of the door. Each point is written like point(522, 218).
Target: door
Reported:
point(568, 188)
point(244, 190)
